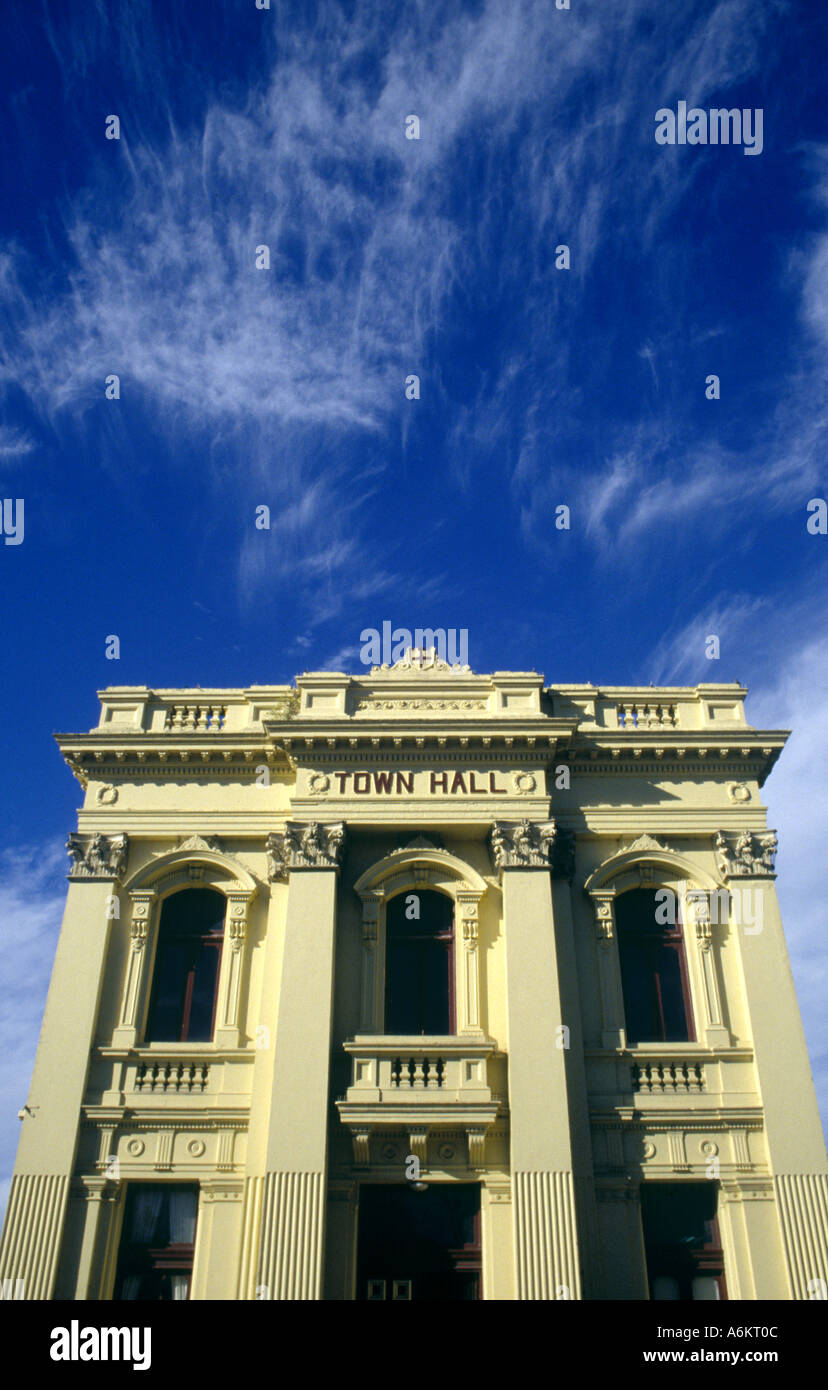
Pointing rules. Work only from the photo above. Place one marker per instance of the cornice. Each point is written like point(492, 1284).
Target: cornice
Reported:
point(200, 1117)
point(720, 1117)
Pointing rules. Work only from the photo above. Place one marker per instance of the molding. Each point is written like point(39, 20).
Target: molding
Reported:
point(396, 870)
point(638, 857)
point(166, 868)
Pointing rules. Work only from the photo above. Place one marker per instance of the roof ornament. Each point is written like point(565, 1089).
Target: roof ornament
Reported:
point(421, 659)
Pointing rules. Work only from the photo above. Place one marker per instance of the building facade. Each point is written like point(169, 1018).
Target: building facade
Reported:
point(421, 984)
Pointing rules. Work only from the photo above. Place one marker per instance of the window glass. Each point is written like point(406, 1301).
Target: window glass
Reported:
point(185, 983)
point(155, 1258)
point(653, 971)
point(419, 993)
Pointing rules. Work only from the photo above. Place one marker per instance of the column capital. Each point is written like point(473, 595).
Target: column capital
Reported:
point(97, 857)
point(748, 855)
point(522, 844)
point(304, 845)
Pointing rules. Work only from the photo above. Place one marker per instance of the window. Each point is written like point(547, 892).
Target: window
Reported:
point(419, 979)
point(190, 936)
point(155, 1259)
point(682, 1243)
point(653, 971)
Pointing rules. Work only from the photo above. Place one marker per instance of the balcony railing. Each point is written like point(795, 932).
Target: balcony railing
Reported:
point(165, 1077)
point(195, 719)
point(396, 1073)
point(665, 1078)
point(646, 716)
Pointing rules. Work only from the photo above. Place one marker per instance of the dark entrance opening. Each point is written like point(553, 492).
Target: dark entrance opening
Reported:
point(419, 1245)
point(682, 1241)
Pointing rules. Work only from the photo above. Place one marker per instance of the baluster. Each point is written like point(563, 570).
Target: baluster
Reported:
point(419, 1077)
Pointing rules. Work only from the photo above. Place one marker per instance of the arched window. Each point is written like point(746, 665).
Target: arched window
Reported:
point(185, 983)
point(419, 979)
point(653, 969)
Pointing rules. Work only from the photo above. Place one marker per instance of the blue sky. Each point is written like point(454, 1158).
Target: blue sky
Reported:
point(539, 387)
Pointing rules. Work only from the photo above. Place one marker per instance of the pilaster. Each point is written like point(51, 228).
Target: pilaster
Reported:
point(795, 1143)
point(46, 1154)
point(546, 1240)
point(293, 1196)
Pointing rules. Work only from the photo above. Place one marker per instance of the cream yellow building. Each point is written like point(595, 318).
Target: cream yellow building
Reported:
point(421, 984)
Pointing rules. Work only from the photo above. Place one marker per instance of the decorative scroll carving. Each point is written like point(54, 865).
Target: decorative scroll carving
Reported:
point(697, 902)
point(751, 854)
point(524, 845)
point(139, 926)
point(97, 856)
point(421, 659)
point(304, 846)
point(196, 842)
point(237, 921)
point(442, 705)
point(361, 1139)
point(604, 928)
point(476, 1140)
point(418, 1145)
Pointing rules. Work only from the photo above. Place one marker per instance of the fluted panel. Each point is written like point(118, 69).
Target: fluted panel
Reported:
point(545, 1236)
point(290, 1262)
point(31, 1235)
point(803, 1210)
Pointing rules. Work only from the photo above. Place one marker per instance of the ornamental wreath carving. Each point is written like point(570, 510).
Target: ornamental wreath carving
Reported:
point(97, 856)
point(750, 854)
point(522, 845)
point(304, 846)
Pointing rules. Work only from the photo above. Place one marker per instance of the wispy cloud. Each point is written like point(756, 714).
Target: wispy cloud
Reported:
point(14, 444)
point(32, 895)
point(366, 230)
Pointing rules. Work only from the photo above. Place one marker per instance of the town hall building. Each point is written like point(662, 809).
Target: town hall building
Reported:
point(421, 984)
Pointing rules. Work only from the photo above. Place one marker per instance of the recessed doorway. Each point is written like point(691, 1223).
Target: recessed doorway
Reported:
point(419, 1245)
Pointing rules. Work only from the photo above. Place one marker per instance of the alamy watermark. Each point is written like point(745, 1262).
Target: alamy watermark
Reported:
point(423, 649)
point(718, 126)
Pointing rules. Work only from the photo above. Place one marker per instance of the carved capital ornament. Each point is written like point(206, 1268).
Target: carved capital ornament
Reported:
point(97, 856)
point(308, 845)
